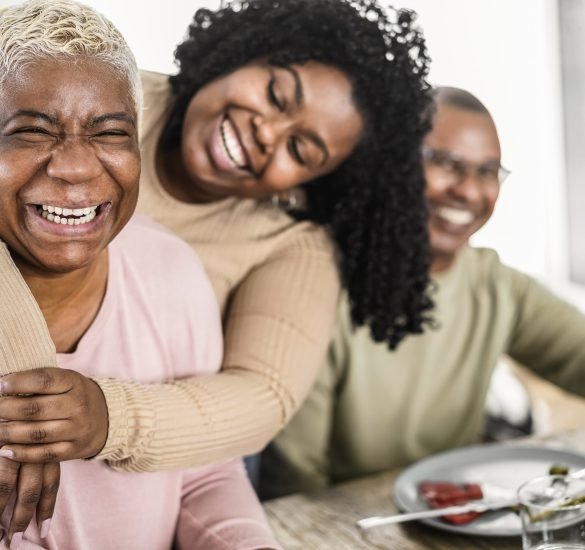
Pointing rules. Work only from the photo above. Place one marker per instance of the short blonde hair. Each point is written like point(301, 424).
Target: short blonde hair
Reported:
point(58, 29)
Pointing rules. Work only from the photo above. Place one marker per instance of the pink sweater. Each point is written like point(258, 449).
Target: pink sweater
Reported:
point(159, 321)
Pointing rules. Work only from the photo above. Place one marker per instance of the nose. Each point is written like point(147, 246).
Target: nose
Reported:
point(269, 130)
point(74, 161)
point(468, 188)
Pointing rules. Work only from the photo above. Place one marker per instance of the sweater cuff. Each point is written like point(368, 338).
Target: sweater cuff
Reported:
point(117, 441)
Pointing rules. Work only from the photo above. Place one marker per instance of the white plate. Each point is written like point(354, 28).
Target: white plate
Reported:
point(505, 465)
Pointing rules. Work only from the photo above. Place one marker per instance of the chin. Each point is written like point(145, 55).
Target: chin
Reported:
point(67, 261)
point(447, 246)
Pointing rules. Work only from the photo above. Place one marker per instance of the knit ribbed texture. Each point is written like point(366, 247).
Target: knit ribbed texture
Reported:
point(277, 284)
point(25, 342)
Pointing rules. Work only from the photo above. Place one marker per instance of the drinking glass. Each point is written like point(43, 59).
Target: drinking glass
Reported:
point(552, 509)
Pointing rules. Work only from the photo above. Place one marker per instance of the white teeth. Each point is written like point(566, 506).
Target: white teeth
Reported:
point(455, 215)
point(231, 144)
point(57, 214)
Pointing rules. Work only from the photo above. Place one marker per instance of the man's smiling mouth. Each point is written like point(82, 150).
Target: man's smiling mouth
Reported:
point(455, 216)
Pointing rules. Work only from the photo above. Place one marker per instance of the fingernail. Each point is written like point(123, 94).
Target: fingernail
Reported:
point(45, 527)
point(6, 453)
point(16, 540)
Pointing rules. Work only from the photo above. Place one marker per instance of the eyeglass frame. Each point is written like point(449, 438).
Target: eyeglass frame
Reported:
point(461, 168)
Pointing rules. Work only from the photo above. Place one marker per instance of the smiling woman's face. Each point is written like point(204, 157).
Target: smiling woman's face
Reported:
point(263, 129)
point(69, 162)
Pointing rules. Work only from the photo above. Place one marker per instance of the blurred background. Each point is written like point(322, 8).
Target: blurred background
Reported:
point(511, 54)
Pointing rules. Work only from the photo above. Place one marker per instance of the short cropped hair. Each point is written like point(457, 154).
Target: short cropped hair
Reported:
point(57, 29)
point(460, 99)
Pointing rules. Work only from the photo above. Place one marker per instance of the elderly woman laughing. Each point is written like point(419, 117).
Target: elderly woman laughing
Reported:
point(138, 306)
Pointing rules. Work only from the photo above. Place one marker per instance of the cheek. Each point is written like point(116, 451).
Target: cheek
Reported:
point(123, 166)
point(16, 169)
point(435, 190)
point(283, 173)
point(193, 145)
point(493, 197)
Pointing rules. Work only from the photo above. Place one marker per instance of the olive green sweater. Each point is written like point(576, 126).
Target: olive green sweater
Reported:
point(372, 409)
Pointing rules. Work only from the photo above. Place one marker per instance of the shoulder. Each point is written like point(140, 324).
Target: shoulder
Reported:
point(311, 239)
point(154, 84)
point(275, 233)
point(156, 99)
point(489, 271)
point(143, 234)
point(481, 265)
point(288, 233)
point(163, 291)
point(483, 259)
point(161, 259)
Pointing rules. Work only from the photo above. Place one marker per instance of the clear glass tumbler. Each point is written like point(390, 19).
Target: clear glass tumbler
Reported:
point(552, 509)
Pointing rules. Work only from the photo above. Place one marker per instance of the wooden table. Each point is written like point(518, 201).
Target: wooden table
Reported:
point(325, 520)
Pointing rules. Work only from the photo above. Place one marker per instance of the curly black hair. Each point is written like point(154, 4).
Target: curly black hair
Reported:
point(373, 203)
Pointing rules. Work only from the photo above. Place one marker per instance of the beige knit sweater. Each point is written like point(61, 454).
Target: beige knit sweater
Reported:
point(24, 337)
point(277, 284)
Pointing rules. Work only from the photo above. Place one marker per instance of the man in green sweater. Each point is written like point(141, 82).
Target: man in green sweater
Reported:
point(372, 409)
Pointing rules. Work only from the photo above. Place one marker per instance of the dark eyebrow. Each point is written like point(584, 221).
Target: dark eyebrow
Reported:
point(299, 96)
point(32, 114)
point(121, 116)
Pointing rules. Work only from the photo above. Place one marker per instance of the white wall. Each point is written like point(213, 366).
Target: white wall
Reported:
point(505, 51)
point(152, 27)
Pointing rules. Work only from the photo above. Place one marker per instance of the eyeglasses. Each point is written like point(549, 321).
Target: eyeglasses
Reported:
point(453, 170)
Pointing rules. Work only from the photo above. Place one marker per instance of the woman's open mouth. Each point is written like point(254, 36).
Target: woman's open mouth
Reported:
point(68, 216)
point(231, 144)
point(226, 149)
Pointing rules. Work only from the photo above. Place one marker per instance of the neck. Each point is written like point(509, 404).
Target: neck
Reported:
point(69, 301)
point(441, 263)
point(175, 179)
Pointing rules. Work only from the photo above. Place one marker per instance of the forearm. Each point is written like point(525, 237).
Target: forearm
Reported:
point(192, 422)
point(277, 329)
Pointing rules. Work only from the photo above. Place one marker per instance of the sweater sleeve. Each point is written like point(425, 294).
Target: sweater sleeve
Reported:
point(25, 342)
point(549, 334)
point(277, 328)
